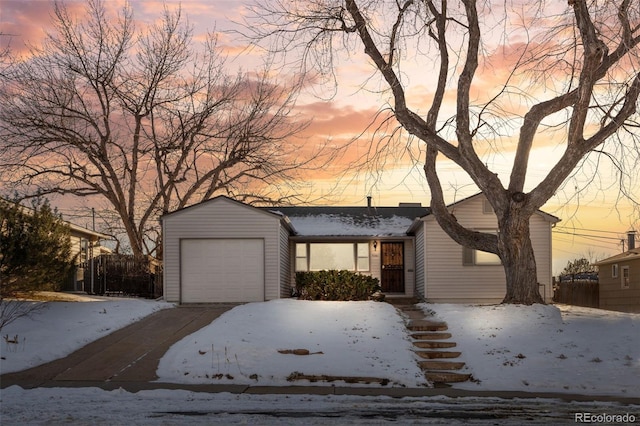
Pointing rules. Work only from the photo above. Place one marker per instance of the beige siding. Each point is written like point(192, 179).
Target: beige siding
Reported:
point(76, 247)
point(447, 280)
point(420, 276)
point(612, 295)
point(285, 263)
point(409, 268)
point(220, 218)
point(375, 261)
point(541, 240)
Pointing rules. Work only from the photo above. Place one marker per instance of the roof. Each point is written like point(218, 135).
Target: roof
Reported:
point(351, 221)
point(75, 230)
point(215, 200)
point(224, 198)
point(330, 221)
point(629, 255)
point(549, 217)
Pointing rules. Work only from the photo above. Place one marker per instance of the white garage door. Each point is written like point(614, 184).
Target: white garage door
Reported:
point(222, 270)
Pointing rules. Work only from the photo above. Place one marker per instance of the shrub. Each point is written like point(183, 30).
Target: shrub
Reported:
point(335, 285)
point(35, 248)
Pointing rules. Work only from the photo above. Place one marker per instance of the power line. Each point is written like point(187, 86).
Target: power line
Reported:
point(589, 236)
point(615, 242)
point(589, 230)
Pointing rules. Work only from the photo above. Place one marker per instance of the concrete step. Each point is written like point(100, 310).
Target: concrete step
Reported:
point(437, 354)
point(440, 365)
point(401, 301)
point(413, 315)
point(407, 307)
point(434, 345)
point(446, 377)
point(430, 336)
point(427, 325)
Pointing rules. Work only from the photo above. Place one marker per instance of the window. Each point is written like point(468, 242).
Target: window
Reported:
point(486, 258)
point(625, 277)
point(301, 257)
point(319, 256)
point(362, 256)
point(331, 256)
point(614, 271)
point(471, 257)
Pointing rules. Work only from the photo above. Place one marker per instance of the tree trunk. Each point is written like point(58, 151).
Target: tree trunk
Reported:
point(516, 252)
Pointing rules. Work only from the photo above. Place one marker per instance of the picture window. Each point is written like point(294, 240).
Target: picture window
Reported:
point(327, 256)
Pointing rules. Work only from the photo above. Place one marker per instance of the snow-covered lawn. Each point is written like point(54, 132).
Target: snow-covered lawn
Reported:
point(547, 348)
point(529, 348)
point(535, 349)
point(246, 345)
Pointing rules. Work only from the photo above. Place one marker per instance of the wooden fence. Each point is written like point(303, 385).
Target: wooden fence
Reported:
point(579, 292)
point(126, 275)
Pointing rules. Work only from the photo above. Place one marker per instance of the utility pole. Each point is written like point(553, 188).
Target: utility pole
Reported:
point(93, 217)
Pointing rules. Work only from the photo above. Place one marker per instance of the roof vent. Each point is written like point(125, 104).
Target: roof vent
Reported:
point(410, 205)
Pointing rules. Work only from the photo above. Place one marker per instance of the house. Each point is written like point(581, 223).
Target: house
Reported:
point(85, 246)
point(222, 250)
point(448, 272)
point(619, 279)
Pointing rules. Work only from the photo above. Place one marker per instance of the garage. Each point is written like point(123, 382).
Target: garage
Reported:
point(222, 250)
point(215, 270)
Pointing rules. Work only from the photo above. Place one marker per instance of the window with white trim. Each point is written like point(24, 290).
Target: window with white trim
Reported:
point(301, 257)
point(614, 270)
point(625, 277)
point(326, 256)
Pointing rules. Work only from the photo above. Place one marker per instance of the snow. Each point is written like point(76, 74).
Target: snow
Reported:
point(63, 327)
point(545, 348)
point(336, 225)
point(521, 348)
point(92, 406)
point(362, 339)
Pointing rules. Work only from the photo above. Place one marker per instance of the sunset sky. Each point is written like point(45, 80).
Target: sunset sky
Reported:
point(593, 223)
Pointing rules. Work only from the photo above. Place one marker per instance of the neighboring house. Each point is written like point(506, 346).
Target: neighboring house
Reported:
point(619, 279)
point(85, 245)
point(222, 250)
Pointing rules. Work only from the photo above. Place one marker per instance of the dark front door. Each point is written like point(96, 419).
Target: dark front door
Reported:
point(392, 267)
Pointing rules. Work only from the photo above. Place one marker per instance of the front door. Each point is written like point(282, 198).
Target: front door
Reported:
point(392, 267)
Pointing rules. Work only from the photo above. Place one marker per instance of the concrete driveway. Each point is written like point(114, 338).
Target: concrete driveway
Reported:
point(130, 354)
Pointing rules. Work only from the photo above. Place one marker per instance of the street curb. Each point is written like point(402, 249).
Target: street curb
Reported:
point(396, 392)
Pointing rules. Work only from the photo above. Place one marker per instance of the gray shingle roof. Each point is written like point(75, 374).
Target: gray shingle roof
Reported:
point(351, 221)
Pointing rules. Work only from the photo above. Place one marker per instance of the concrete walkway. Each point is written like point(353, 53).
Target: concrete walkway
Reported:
point(128, 359)
point(128, 355)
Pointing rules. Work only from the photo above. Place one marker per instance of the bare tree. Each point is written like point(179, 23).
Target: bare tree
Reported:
point(145, 120)
point(575, 72)
point(12, 309)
